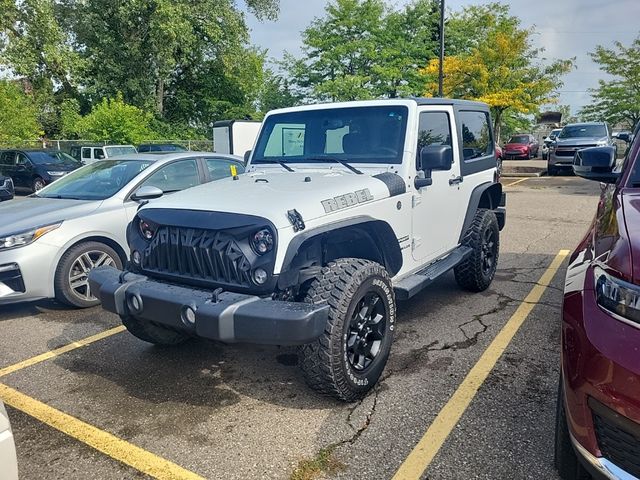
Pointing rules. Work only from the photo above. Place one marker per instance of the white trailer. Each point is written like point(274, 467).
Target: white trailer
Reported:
point(234, 137)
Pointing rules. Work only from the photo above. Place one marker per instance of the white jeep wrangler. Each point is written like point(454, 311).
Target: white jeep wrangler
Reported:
point(344, 209)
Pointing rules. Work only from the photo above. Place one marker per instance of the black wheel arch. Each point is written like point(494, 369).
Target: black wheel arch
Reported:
point(359, 237)
point(486, 195)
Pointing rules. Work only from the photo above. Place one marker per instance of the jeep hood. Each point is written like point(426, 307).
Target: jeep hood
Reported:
point(271, 194)
point(31, 212)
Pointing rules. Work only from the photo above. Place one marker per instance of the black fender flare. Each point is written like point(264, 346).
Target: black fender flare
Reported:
point(486, 195)
point(381, 232)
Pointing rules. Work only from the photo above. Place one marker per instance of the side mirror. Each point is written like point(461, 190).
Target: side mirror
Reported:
point(596, 163)
point(144, 194)
point(247, 156)
point(625, 137)
point(100, 156)
point(433, 157)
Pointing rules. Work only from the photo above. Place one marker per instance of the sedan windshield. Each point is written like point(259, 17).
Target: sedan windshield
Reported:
point(97, 181)
point(583, 131)
point(519, 139)
point(357, 134)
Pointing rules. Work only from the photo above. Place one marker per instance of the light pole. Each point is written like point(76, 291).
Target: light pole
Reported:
point(440, 73)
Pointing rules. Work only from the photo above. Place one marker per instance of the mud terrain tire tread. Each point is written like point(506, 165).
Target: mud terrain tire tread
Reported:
point(469, 273)
point(322, 361)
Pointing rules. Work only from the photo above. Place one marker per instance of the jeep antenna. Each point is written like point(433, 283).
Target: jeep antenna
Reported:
point(440, 67)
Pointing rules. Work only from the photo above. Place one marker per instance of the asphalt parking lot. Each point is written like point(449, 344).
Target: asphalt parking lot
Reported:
point(205, 410)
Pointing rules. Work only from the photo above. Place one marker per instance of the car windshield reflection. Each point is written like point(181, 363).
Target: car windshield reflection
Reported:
point(97, 181)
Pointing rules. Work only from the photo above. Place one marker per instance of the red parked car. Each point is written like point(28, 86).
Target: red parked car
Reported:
point(598, 412)
point(521, 146)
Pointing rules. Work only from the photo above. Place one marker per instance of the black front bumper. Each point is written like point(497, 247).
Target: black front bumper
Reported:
point(227, 317)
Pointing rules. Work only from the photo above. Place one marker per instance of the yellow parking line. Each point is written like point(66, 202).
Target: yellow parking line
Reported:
point(429, 445)
point(59, 351)
point(116, 448)
point(517, 181)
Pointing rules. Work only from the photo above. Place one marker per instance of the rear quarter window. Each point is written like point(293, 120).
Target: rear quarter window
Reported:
point(476, 134)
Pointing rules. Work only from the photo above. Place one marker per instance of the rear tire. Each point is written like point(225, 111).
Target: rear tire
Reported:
point(71, 284)
point(152, 332)
point(483, 236)
point(565, 459)
point(347, 360)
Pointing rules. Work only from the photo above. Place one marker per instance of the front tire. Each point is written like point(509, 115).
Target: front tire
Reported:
point(71, 283)
point(37, 184)
point(483, 237)
point(551, 170)
point(152, 332)
point(347, 360)
point(565, 458)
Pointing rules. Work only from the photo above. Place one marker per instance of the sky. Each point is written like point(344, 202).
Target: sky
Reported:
point(565, 29)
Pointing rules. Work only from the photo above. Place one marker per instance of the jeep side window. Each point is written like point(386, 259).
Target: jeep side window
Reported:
point(476, 135)
point(86, 153)
point(434, 129)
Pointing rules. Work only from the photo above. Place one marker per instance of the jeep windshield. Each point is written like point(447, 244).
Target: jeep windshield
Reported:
point(97, 181)
point(354, 134)
point(583, 131)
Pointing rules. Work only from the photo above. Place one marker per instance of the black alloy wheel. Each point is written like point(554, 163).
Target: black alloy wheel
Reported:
point(489, 251)
point(366, 331)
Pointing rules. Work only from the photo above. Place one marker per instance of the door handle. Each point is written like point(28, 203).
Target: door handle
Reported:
point(455, 181)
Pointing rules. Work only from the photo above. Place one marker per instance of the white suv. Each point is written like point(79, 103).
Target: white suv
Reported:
point(344, 209)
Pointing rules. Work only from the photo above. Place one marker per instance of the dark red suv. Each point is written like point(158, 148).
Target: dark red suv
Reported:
point(598, 414)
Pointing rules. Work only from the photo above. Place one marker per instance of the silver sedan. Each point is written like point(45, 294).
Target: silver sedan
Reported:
point(50, 240)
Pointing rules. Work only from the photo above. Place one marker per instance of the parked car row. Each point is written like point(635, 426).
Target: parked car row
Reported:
point(81, 220)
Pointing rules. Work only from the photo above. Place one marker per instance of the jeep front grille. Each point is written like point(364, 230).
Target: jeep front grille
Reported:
point(195, 254)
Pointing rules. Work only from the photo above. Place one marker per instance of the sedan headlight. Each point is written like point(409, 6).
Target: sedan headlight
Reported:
point(602, 143)
point(21, 239)
point(262, 241)
point(617, 296)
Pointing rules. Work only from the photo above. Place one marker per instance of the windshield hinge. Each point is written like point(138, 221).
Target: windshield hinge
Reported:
point(416, 200)
point(296, 220)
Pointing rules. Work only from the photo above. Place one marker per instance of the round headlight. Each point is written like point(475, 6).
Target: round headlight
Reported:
point(146, 230)
point(262, 241)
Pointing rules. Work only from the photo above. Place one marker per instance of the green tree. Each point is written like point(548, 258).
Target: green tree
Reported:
point(499, 67)
point(276, 93)
point(362, 49)
point(154, 50)
point(617, 100)
point(114, 121)
point(18, 115)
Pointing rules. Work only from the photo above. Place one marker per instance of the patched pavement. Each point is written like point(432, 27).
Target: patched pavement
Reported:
point(241, 411)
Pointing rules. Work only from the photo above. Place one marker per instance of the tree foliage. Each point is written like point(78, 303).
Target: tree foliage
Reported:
point(186, 61)
point(18, 115)
point(362, 49)
point(114, 121)
point(617, 100)
point(498, 66)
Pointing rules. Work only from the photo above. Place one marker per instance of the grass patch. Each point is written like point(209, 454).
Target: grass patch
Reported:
point(323, 462)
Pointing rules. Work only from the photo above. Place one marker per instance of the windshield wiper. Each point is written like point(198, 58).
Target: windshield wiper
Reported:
point(336, 160)
point(279, 162)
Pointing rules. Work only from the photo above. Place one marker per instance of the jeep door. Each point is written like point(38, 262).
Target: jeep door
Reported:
point(439, 209)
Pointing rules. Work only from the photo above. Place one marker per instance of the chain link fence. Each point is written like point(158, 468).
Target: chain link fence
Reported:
point(65, 145)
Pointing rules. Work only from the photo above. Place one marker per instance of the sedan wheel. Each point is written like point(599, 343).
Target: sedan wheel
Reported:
point(72, 276)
